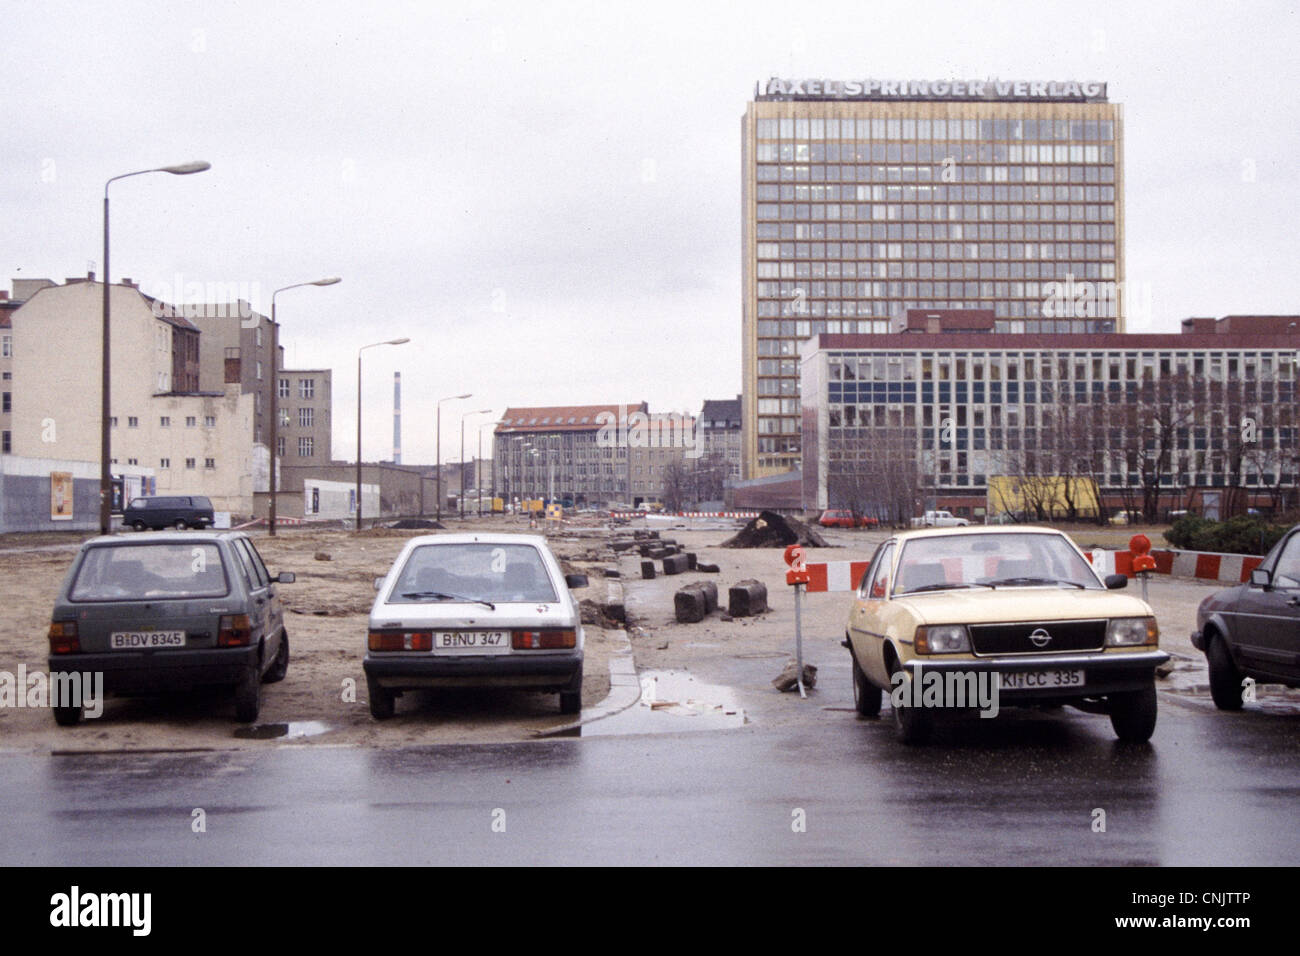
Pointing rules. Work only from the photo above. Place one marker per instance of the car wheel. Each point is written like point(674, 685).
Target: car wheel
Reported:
point(139, 526)
point(1225, 679)
point(383, 702)
point(571, 699)
point(1133, 714)
point(866, 695)
point(281, 665)
point(67, 716)
point(248, 697)
point(180, 524)
point(912, 724)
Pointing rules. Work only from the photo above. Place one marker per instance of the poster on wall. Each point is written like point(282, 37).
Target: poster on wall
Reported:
point(61, 496)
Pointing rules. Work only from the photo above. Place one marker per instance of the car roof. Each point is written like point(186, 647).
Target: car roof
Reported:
point(164, 536)
point(977, 530)
point(536, 540)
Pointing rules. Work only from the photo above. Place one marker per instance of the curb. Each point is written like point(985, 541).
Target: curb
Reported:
point(624, 692)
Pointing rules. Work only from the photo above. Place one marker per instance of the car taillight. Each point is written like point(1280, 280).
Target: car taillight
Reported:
point(63, 637)
point(235, 630)
point(401, 640)
point(543, 640)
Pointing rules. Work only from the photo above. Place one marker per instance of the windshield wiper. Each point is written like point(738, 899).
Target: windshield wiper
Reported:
point(444, 596)
point(1075, 584)
point(946, 587)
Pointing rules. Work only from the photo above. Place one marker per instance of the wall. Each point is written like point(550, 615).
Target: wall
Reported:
point(25, 495)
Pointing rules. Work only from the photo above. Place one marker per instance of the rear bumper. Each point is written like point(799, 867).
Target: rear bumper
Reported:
point(1105, 673)
point(398, 671)
point(161, 670)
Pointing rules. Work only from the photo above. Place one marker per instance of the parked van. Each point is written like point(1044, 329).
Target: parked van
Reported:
point(168, 511)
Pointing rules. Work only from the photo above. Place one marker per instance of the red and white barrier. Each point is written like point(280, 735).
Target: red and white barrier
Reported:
point(683, 514)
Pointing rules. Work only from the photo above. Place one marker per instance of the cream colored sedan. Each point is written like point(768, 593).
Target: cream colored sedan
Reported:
point(970, 620)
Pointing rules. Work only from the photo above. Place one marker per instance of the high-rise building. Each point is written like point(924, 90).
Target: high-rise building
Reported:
point(866, 198)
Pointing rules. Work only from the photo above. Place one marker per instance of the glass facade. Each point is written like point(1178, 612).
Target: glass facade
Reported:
point(856, 211)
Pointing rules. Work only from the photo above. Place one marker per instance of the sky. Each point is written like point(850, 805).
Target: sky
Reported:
point(545, 197)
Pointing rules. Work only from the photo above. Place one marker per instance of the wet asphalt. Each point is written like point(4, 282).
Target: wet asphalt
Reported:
point(1028, 788)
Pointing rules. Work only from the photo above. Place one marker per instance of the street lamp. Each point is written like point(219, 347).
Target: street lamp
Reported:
point(460, 498)
point(478, 481)
point(275, 387)
point(359, 351)
point(105, 436)
point(449, 398)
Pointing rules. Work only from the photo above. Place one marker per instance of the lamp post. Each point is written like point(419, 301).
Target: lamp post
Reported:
point(493, 492)
point(372, 345)
point(460, 498)
point(105, 435)
point(275, 388)
point(438, 439)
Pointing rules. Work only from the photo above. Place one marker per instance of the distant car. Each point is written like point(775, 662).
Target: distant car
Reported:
point(1253, 629)
point(961, 608)
point(475, 610)
point(839, 518)
point(939, 519)
point(170, 613)
point(168, 511)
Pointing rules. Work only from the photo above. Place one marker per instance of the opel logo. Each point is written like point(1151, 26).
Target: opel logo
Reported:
point(1040, 637)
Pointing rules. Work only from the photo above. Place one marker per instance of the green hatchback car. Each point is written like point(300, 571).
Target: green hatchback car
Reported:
point(168, 613)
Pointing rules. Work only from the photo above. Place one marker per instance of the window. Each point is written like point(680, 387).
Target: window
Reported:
point(306, 388)
point(209, 421)
point(209, 463)
point(279, 445)
point(189, 463)
point(5, 403)
point(112, 421)
point(259, 370)
point(284, 388)
point(191, 421)
point(305, 447)
point(258, 336)
point(6, 346)
point(133, 461)
point(164, 462)
point(132, 421)
point(165, 422)
point(305, 417)
point(5, 447)
point(284, 417)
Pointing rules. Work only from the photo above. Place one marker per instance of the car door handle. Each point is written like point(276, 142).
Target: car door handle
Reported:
point(1294, 602)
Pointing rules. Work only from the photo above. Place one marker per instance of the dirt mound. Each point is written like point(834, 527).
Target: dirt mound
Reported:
point(411, 524)
point(771, 530)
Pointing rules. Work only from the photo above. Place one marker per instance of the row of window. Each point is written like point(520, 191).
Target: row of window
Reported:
point(817, 173)
point(948, 155)
point(931, 127)
point(1080, 366)
point(866, 251)
point(306, 417)
point(1012, 229)
point(306, 387)
point(164, 421)
point(306, 446)
point(923, 193)
point(937, 212)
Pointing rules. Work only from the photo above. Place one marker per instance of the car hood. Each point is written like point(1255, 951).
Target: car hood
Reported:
point(447, 614)
point(1021, 604)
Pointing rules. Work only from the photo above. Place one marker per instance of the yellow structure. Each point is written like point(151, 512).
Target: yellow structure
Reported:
point(1051, 494)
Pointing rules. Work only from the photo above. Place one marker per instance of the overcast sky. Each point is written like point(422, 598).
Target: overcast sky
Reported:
point(545, 197)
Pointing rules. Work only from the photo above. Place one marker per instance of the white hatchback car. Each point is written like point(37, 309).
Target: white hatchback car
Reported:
point(475, 610)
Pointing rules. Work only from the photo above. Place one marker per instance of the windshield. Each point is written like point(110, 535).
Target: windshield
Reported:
point(991, 560)
point(141, 571)
point(473, 572)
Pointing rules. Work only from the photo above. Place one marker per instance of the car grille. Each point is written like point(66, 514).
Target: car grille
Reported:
point(987, 639)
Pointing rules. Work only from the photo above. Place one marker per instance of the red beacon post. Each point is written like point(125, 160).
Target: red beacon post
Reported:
point(798, 577)
point(1143, 563)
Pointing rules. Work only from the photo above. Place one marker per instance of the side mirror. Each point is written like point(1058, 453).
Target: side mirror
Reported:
point(576, 580)
point(1115, 582)
point(286, 577)
point(379, 583)
point(1260, 578)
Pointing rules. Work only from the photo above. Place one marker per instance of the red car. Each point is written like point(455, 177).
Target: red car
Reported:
point(846, 519)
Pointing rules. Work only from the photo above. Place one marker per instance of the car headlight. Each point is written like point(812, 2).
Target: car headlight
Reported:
point(1131, 631)
point(942, 639)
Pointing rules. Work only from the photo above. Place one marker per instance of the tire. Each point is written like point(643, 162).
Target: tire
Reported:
point(248, 697)
point(866, 695)
point(571, 699)
point(140, 526)
point(1133, 714)
point(1225, 679)
point(383, 702)
point(67, 716)
point(912, 724)
point(280, 667)
point(180, 524)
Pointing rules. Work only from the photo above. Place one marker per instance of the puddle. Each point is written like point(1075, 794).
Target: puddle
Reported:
point(671, 702)
point(302, 728)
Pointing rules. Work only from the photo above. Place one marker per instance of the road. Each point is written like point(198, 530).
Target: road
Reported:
point(1210, 789)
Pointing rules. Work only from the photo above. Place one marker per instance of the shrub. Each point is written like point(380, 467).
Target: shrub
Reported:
point(1243, 534)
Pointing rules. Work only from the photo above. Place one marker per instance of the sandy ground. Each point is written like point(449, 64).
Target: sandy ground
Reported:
point(323, 698)
point(729, 663)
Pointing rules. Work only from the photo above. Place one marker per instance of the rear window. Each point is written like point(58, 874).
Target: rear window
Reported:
point(142, 571)
point(473, 572)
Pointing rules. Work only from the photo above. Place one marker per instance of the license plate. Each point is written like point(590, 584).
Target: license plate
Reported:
point(1042, 680)
point(139, 640)
point(471, 642)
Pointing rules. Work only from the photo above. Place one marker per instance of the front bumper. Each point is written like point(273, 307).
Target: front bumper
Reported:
point(1105, 672)
point(127, 672)
point(402, 671)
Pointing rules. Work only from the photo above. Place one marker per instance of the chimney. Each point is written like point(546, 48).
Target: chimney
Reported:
point(397, 418)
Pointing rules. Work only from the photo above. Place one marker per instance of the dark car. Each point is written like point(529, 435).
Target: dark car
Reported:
point(1253, 630)
point(168, 511)
point(170, 613)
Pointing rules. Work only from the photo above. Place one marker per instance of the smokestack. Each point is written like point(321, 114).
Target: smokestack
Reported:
point(397, 418)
